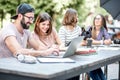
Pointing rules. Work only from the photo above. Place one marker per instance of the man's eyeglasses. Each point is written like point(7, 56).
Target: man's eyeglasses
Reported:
point(30, 18)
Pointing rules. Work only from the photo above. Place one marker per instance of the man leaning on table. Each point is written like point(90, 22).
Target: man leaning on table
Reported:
point(15, 36)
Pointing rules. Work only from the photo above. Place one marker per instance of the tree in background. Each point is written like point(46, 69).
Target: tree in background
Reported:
point(9, 7)
point(56, 8)
point(50, 6)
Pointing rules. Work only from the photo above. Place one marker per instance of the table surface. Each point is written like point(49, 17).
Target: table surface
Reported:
point(60, 71)
point(114, 27)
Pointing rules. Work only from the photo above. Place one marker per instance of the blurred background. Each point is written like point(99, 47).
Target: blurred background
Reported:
point(56, 8)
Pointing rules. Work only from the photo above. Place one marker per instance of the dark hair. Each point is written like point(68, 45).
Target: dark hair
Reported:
point(41, 18)
point(70, 17)
point(103, 25)
point(22, 9)
point(103, 21)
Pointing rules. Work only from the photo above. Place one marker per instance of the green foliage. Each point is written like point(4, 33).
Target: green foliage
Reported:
point(50, 6)
point(44, 6)
point(56, 8)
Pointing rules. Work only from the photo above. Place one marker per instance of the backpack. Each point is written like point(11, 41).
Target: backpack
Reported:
point(87, 33)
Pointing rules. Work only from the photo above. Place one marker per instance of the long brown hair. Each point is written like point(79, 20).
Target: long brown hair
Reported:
point(70, 17)
point(41, 18)
point(103, 25)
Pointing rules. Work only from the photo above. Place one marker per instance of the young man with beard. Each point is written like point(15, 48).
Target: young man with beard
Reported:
point(15, 36)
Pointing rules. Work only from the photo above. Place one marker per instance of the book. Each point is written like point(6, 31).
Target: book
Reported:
point(85, 51)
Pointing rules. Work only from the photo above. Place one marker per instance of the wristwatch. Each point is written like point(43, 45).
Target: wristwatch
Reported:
point(20, 57)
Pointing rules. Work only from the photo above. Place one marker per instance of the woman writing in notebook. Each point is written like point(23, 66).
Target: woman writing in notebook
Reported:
point(99, 36)
point(44, 33)
point(99, 31)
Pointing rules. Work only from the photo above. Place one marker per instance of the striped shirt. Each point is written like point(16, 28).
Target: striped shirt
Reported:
point(67, 35)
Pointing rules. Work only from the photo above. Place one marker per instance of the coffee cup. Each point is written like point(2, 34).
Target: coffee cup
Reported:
point(89, 42)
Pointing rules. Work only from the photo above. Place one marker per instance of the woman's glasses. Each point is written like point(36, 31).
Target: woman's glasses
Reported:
point(97, 18)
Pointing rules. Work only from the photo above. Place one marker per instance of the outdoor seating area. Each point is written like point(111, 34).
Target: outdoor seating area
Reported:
point(60, 40)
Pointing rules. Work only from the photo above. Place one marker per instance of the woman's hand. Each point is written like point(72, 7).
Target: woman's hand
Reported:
point(107, 42)
point(55, 46)
point(54, 50)
point(83, 43)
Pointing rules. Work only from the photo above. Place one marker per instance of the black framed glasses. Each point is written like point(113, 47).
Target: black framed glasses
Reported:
point(30, 18)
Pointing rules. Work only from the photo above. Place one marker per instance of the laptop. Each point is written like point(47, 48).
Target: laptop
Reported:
point(70, 50)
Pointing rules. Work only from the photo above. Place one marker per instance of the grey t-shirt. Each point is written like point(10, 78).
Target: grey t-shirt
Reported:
point(11, 30)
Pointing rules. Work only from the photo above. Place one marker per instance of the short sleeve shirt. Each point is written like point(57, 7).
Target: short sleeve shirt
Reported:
point(10, 30)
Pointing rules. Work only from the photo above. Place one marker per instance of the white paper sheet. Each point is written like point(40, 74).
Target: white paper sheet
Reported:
point(56, 60)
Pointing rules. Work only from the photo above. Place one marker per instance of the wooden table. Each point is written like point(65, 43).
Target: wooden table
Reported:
point(12, 69)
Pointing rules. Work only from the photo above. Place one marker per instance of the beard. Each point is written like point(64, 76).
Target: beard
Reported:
point(23, 24)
